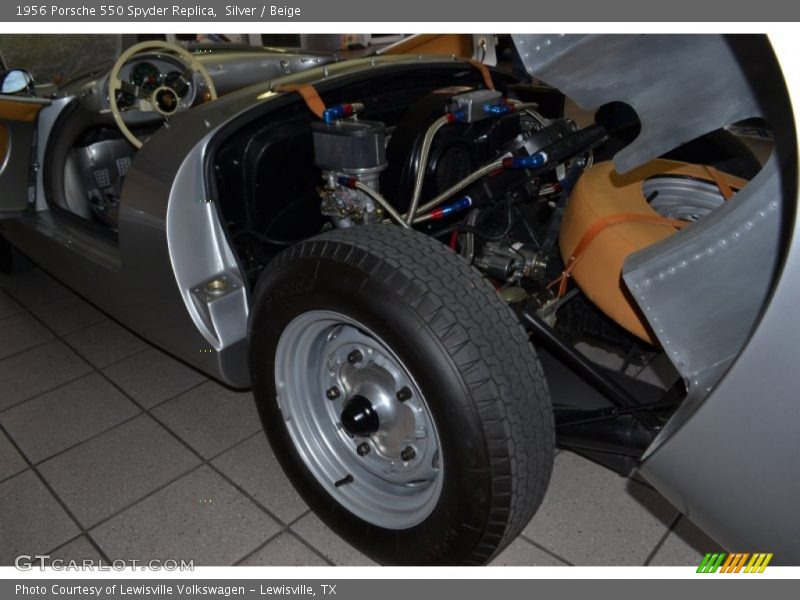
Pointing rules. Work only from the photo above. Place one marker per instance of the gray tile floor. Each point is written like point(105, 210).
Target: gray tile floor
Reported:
point(111, 449)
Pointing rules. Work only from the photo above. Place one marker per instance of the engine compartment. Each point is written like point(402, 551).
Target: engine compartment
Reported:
point(290, 175)
point(488, 172)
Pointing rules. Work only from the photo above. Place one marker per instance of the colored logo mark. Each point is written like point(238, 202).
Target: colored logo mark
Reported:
point(735, 562)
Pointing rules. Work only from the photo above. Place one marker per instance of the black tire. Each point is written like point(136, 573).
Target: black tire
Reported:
point(472, 360)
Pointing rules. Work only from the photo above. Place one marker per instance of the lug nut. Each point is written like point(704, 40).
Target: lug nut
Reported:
point(404, 394)
point(363, 449)
point(355, 357)
point(333, 393)
point(408, 454)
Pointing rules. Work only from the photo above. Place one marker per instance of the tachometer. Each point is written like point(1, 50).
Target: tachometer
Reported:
point(177, 81)
point(146, 75)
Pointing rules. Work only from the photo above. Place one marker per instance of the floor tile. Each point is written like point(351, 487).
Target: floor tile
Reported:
point(151, 377)
point(68, 314)
point(112, 471)
point(591, 516)
point(105, 343)
point(8, 306)
point(11, 462)
point(79, 549)
point(211, 418)
point(200, 517)
point(285, 551)
point(66, 416)
point(253, 466)
point(32, 521)
point(34, 287)
point(19, 332)
point(37, 370)
point(685, 546)
point(521, 553)
point(316, 533)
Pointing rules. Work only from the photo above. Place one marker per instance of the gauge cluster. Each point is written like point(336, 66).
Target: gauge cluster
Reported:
point(152, 73)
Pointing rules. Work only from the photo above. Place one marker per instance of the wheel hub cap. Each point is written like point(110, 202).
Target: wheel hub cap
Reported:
point(359, 417)
point(372, 445)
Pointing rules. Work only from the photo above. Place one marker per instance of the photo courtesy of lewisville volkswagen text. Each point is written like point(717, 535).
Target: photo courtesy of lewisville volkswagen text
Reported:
point(162, 589)
point(441, 299)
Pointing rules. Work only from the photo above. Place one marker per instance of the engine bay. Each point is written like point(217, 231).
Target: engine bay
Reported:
point(485, 173)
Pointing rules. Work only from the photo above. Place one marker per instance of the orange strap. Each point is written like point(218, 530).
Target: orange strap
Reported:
point(595, 228)
point(722, 183)
point(485, 73)
point(309, 94)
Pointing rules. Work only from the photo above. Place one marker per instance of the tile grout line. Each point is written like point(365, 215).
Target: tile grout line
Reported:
point(20, 472)
point(110, 428)
point(308, 544)
point(305, 542)
point(24, 350)
point(546, 550)
point(152, 492)
point(289, 531)
point(47, 391)
point(203, 459)
point(56, 497)
point(69, 541)
point(661, 541)
point(89, 439)
point(239, 443)
point(163, 485)
point(73, 380)
point(261, 545)
point(121, 423)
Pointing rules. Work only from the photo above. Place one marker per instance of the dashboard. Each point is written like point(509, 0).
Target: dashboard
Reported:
point(153, 71)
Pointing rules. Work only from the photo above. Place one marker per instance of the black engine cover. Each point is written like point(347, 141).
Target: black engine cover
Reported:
point(457, 150)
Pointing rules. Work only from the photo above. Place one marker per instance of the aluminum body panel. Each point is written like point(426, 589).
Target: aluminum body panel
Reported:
point(732, 467)
point(234, 70)
point(702, 289)
point(681, 86)
point(15, 163)
point(729, 458)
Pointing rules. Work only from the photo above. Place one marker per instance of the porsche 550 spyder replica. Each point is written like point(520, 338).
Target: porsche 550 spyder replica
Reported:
point(398, 254)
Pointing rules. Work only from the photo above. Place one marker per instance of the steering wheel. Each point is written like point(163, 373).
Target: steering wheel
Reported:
point(162, 100)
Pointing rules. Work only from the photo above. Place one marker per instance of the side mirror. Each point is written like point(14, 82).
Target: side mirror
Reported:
point(16, 81)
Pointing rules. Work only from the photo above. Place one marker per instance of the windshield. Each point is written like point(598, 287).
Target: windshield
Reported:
point(59, 58)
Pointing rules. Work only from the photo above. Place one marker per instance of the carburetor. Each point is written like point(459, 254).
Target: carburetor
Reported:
point(350, 148)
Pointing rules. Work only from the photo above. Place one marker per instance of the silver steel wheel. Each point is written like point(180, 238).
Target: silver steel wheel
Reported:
point(682, 198)
point(358, 419)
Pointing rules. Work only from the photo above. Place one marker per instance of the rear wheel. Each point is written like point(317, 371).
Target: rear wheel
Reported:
point(401, 396)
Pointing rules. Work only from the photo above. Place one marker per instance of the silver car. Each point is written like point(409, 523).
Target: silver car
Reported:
point(399, 253)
